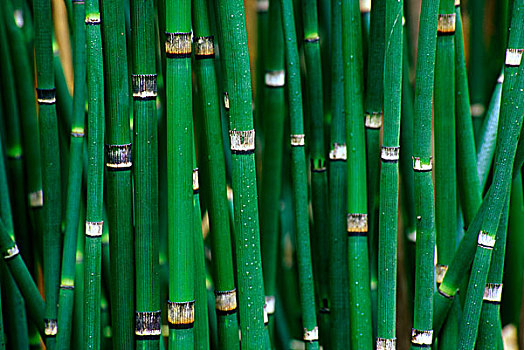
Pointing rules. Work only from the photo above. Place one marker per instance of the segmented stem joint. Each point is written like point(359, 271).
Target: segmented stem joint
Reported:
point(386, 344)
point(513, 57)
point(144, 87)
point(446, 24)
point(297, 140)
point(119, 157)
point(148, 324)
point(493, 293)
point(338, 152)
point(181, 315)
point(178, 45)
point(226, 301)
point(204, 47)
point(421, 338)
point(275, 78)
point(312, 335)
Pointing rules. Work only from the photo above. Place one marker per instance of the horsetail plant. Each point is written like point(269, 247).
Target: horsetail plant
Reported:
point(315, 115)
point(389, 172)
point(272, 111)
point(357, 217)
point(338, 248)
point(118, 172)
point(299, 179)
point(74, 183)
point(50, 153)
point(214, 183)
point(95, 178)
point(422, 332)
point(145, 171)
point(242, 142)
point(181, 304)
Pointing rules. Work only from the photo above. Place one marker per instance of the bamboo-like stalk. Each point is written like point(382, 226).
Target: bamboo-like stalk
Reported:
point(74, 183)
point(77, 334)
point(389, 155)
point(181, 306)
point(50, 153)
point(422, 165)
point(315, 115)
point(510, 121)
point(357, 219)
point(95, 178)
point(262, 18)
point(445, 155)
point(373, 106)
point(214, 179)
point(234, 52)
point(299, 179)
point(468, 181)
point(490, 328)
point(118, 174)
point(338, 247)
point(144, 81)
point(273, 113)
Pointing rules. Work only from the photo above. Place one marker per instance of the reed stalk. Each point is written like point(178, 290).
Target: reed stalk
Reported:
point(50, 154)
point(95, 178)
point(144, 86)
point(214, 179)
point(338, 247)
point(74, 183)
point(118, 172)
point(181, 305)
point(315, 115)
point(273, 113)
point(446, 141)
point(373, 107)
point(389, 155)
point(299, 180)
point(234, 52)
point(357, 218)
point(422, 332)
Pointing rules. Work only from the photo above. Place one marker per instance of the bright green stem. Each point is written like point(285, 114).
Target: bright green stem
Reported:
point(299, 179)
point(338, 249)
point(147, 331)
point(50, 153)
point(389, 173)
point(234, 52)
point(95, 180)
point(357, 221)
point(446, 145)
point(273, 113)
point(424, 206)
point(180, 170)
point(74, 183)
point(118, 174)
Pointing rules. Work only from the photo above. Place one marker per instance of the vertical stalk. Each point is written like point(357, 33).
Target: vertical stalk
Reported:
point(299, 179)
point(214, 179)
point(234, 51)
point(181, 305)
point(357, 218)
point(338, 247)
point(50, 153)
point(373, 106)
point(118, 172)
point(422, 332)
point(445, 154)
point(95, 178)
point(74, 183)
point(389, 173)
point(315, 115)
point(144, 87)
point(273, 123)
